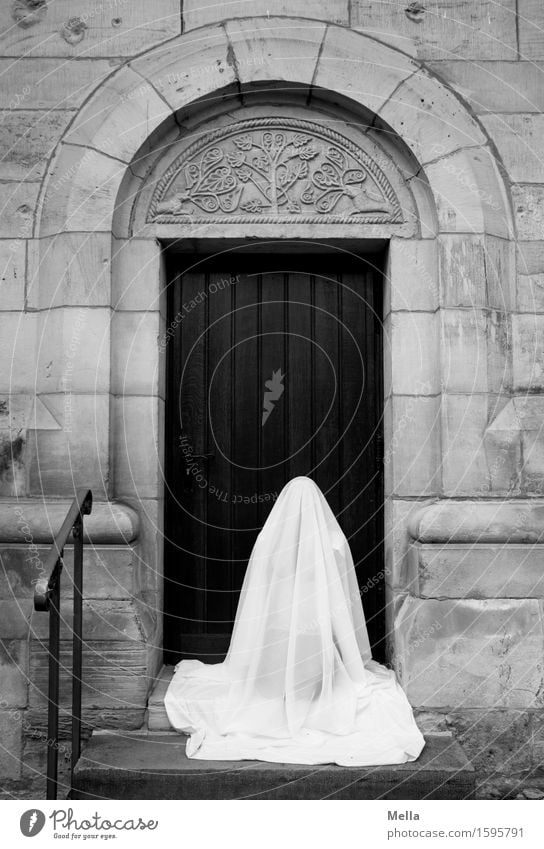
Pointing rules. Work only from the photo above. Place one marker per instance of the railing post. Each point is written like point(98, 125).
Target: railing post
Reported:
point(47, 598)
point(53, 710)
point(77, 644)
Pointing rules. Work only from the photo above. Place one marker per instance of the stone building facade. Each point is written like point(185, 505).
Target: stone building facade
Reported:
point(106, 108)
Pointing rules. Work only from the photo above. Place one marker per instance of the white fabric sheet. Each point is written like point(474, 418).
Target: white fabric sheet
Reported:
point(298, 684)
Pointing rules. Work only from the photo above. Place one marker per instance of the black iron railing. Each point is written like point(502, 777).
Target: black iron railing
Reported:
point(47, 598)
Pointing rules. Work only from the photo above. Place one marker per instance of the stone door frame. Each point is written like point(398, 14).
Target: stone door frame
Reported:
point(458, 261)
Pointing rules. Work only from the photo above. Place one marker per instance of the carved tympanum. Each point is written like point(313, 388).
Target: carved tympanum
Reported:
point(268, 169)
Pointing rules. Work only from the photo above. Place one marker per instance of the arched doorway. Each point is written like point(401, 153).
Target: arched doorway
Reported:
point(273, 344)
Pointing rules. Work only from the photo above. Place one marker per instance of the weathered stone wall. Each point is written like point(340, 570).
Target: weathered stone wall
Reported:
point(52, 55)
point(71, 411)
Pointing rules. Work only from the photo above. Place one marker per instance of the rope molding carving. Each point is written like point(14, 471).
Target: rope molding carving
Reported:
point(272, 170)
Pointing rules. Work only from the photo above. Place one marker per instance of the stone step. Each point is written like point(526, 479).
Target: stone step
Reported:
point(153, 765)
point(157, 720)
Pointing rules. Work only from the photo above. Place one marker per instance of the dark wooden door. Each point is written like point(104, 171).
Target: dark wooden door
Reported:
point(274, 371)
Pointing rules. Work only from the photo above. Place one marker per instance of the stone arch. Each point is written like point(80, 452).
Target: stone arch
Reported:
point(462, 252)
point(105, 147)
point(122, 117)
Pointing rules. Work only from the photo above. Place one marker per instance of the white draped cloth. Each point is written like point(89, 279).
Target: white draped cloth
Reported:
point(298, 684)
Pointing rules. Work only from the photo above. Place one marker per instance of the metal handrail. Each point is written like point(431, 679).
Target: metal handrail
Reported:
point(47, 598)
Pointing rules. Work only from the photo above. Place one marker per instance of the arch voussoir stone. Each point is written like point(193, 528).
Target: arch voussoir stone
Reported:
point(190, 68)
point(363, 70)
point(430, 118)
point(121, 120)
point(283, 49)
point(82, 191)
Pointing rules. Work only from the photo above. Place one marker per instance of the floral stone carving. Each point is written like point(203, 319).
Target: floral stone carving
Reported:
point(266, 170)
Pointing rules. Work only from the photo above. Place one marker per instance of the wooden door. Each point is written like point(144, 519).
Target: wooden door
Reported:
point(274, 371)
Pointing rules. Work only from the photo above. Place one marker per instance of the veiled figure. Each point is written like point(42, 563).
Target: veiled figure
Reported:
point(298, 684)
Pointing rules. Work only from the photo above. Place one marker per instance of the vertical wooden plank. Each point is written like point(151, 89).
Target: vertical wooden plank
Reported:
point(327, 386)
point(190, 398)
point(219, 375)
point(274, 388)
point(246, 423)
point(174, 473)
point(360, 400)
point(357, 416)
point(378, 439)
point(299, 374)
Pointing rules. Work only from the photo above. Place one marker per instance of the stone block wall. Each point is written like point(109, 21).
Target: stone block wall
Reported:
point(116, 656)
point(54, 311)
point(469, 631)
point(474, 412)
point(121, 643)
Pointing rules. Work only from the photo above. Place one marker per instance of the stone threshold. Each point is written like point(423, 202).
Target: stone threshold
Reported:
point(153, 765)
